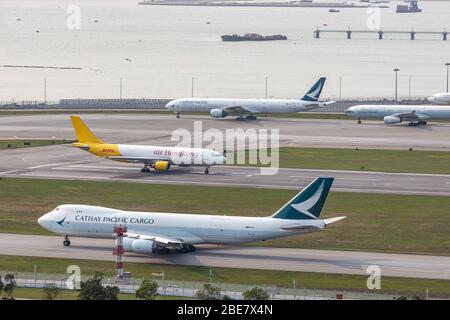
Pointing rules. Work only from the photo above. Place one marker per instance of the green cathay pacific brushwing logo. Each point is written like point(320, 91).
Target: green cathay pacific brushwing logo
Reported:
point(60, 222)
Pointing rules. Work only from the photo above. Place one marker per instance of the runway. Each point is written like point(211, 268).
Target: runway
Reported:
point(248, 257)
point(59, 162)
point(158, 128)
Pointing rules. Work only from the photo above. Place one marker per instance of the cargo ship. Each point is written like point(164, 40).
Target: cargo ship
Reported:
point(252, 37)
point(413, 7)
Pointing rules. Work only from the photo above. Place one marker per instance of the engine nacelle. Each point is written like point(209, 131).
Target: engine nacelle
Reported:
point(218, 113)
point(392, 120)
point(128, 244)
point(142, 246)
point(162, 165)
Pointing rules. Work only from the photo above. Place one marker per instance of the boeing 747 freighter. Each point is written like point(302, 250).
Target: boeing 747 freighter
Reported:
point(155, 232)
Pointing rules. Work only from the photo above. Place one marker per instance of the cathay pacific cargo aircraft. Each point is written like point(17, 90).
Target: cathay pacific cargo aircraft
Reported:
point(155, 232)
point(249, 108)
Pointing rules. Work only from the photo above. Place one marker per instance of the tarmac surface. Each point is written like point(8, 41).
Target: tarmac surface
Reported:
point(59, 162)
point(248, 257)
point(63, 162)
point(157, 129)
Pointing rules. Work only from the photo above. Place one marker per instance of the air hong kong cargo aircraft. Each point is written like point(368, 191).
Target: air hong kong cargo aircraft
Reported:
point(156, 233)
point(158, 158)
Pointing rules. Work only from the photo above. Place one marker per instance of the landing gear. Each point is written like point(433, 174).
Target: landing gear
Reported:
point(206, 170)
point(186, 248)
point(162, 250)
point(178, 115)
point(145, 169)
point(419, 123)
point(66, 241)
point(249, 117)
point(359, 120)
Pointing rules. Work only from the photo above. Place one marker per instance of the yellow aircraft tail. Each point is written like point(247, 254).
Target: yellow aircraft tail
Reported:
point(84, 134)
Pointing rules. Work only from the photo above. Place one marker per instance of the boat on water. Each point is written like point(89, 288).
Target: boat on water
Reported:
point(252, 37)
point(411, 8)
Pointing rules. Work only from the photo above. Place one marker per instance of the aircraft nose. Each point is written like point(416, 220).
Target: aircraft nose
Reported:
point(45, 220)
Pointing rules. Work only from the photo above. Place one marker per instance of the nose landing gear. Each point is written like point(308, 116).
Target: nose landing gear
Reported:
point(66, 241)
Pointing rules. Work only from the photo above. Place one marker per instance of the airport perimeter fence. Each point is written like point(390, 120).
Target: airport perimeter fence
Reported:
point(158, 104)
point(189, 288)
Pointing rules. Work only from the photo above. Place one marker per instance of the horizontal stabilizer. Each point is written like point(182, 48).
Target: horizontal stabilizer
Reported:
point(333, 220)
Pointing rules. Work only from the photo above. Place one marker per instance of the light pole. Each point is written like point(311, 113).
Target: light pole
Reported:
point(45, 91)
point(447, 65)
point(409, 88)
point(396, 70)
point(120, 94)
point(192, 87)
point(340, 90)
point(266, 87)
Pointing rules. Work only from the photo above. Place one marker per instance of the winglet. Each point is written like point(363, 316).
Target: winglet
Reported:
point(84, 134)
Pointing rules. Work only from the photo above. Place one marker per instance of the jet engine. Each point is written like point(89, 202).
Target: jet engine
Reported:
point(218, 113)
point(162, 165)
point(139, 246)
point(392, 120)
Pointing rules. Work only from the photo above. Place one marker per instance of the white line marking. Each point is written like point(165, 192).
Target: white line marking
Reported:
point(150, 180)
point(347, 171)
point(42, 166)
point(55, 164)
point(341, 178)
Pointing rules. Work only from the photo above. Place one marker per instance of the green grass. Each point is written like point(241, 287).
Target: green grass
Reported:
point(16, 144)
point(376, 222)
point(437, 162)
point(232, 275)
point(38, 294)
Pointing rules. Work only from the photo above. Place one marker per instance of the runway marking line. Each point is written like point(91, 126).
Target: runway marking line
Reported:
point(42, 166)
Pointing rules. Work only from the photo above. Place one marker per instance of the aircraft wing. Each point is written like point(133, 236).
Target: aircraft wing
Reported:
point(140, 159)
point(232, 110)
point(167, 241)
point(410, 116)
